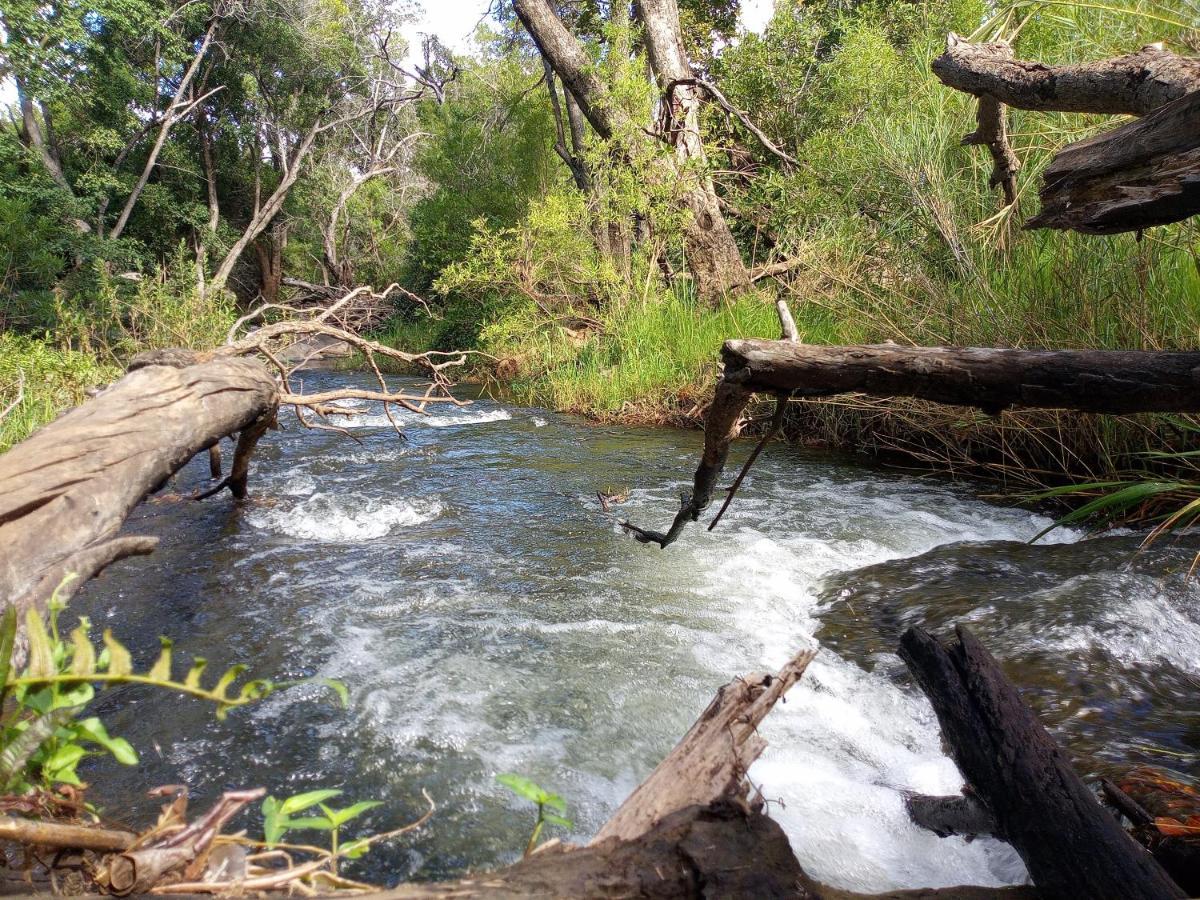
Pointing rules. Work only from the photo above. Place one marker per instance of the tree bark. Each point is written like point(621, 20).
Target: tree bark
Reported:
point(1071, 845)
point(1141, 174)
point(37, 140)
point(1098, 381)
point(66, 490)
point(713, 255)
point(266, 213)
point(1135, 84)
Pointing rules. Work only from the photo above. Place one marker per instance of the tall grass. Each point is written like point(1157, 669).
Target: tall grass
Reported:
point(50, 379)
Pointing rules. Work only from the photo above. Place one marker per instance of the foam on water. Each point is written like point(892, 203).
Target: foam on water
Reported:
point(436, 419)
point(518, 629)
point(338, 518)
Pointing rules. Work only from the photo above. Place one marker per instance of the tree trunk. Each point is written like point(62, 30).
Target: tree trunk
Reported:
point(266, 213)
point(33, 135)
point(1142, 174)
point(1072, 846)
point(66, 490)
point(268, 249)
point(713, 255)
point(1098, 381)
point(170, 116)
point(1135, 84)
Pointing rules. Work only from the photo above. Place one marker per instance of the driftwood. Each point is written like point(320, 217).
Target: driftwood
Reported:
point(1142, 174)
point(1071, 845)
point(1097, 381)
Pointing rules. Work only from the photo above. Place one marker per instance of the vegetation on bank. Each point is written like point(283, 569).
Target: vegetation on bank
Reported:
point(888, 225)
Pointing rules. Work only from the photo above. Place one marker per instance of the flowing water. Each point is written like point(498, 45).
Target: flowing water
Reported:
point(489, 616)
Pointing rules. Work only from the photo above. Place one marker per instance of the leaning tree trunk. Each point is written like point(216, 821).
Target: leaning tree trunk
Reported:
point(713, 256)
point(66, 490)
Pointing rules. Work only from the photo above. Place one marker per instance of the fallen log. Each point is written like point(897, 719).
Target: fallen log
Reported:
point(67, 489)
point(1096, 381)
point(1071, 845)
point(1135, 84)
point(1124, 180)
point(1142, 174)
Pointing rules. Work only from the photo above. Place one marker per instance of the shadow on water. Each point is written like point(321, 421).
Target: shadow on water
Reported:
point(488, 615)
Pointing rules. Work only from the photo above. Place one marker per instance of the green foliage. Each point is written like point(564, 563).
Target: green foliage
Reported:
point(543, 799)
point(42, 738)
point(279, 817)
point(48, 379)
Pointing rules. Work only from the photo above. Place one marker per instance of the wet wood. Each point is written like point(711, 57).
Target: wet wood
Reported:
point(1098, 381)
point(67, 489)
point(962, 814)
point(1142, 174)
point(1072, 846)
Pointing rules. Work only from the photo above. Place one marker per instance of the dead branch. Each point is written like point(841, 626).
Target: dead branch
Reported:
point(62, 836)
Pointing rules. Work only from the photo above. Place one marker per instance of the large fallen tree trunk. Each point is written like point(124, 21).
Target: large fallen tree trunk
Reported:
point(1142, 174)
point(66, 490)
point(1096, 381)
point(1072, 846)
point(1125, 180)
point(1135, 84)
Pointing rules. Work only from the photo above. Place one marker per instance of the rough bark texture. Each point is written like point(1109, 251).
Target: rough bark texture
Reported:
point(1071, 845)
point(1135, 84)
point(1099, 381)
point(712, 760)
point(945, 816)
point(1142, 174)
point(67, 489)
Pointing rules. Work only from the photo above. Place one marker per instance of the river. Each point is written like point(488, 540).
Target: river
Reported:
point(487, 615)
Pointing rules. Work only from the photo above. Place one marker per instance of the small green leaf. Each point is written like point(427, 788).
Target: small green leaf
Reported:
point(307, 800)
point(554, 802)
point(310, 823)
point(161, 670)
point(193, 676)
point(227, 679)
point(355, 849)
point(340, 817)
point(122, 751)
point(558, 820)
point(119, 661)
point(523, 787)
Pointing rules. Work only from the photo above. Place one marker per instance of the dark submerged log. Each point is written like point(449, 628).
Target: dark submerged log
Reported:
point(945, 816)
point(1142, 174)
point(1071, 845)
point(66, 490)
